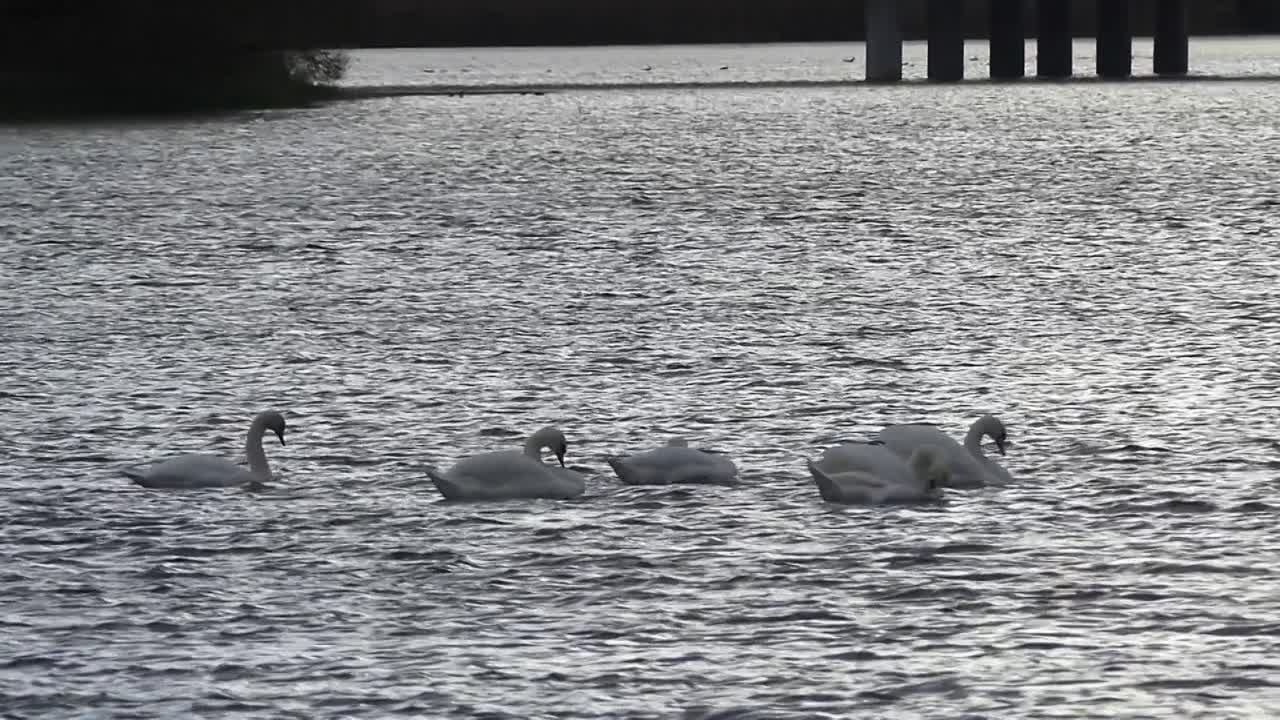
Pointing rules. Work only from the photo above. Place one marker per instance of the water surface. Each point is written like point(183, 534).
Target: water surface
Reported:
point(764, 271)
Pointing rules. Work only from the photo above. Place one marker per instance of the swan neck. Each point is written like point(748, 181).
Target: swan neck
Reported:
point(973, 441)
point(533, 448)
point(254, 453)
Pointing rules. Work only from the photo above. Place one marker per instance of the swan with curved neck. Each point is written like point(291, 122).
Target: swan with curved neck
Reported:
point(873, 474)
point(204, 471)
point(512, 474)
point(969, 465)
point(674, 464)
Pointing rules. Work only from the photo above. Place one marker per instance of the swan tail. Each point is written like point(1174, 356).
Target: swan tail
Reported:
point(620, 469)
point(826, 486)
point(136, 475)
point(446, 487)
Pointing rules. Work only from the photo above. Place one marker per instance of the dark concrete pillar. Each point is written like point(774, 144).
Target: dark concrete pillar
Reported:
point(946, 40)
point(1053, 38)
point(1171, 37)
point(1008, 40)
point(884, 41)
point(1115, 39)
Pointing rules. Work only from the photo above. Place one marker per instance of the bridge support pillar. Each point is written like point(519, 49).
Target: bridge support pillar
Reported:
point(1053, 38)
point(884, 41)
point(1008, 40)
point(946, 40)
point(1115, 39)
point(1171, 37)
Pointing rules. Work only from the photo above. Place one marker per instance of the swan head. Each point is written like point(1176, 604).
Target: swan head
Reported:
point(929, 463)
point(991, 426)
point(274, 422)
point(550, 438)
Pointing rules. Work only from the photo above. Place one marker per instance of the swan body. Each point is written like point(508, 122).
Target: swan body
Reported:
point(969, 465)
point(877, 460)
point(512, 474)
point(674, 464)
point(207, 471)
point(873, 474)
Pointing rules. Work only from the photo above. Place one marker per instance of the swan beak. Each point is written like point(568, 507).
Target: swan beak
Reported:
point(1000, 445)
point(560, 457)
point(280, 434)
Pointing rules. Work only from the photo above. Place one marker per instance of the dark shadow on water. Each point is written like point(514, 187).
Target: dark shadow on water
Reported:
point(61, 114)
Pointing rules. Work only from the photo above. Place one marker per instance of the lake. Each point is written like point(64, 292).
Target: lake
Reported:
point(766, 271)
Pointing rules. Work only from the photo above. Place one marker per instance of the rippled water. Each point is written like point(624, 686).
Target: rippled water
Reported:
point(766, 271)
point(772, 63)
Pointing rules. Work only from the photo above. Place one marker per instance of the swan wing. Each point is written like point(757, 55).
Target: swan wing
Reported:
point(966, 470)
point(568, 483)
point(674, 465)
point(853, 486)
point(192, 471)
point(506, 475)
point(876, 460)
point(904, 439)
point(858, 487)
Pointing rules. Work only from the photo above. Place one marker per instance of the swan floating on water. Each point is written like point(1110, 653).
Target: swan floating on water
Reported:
point(674, 464)
point(512, 474)
point(874, 474)
point(207, 471)
point(970, 467)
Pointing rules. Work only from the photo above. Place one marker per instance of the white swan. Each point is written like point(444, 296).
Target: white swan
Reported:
point(970, 467)
point(873, 474)
point(675, 464)
point(512, 474)
point(206, 471)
